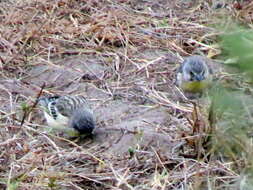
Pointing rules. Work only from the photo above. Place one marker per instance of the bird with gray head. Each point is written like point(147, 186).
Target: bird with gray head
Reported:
point(194, 75)
point(70, 114)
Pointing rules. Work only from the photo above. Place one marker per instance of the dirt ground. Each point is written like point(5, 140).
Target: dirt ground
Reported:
point(122, 56)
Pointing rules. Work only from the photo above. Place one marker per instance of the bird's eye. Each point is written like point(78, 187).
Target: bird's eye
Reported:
point(191, 76)
point(191, 73)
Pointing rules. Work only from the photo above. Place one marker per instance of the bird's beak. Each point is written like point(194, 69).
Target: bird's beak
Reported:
point(199, 77)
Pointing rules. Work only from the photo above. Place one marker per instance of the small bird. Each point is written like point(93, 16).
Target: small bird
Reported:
point(71, 114)
point(194, 75)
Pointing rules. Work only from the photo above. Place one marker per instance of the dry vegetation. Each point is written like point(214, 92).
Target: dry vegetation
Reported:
point(122, 55)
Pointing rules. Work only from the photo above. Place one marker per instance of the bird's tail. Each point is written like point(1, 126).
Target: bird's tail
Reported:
point(44, 101)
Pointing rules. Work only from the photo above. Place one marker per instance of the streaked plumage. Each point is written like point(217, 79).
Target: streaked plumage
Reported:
point(68, 112)
point(194, 75)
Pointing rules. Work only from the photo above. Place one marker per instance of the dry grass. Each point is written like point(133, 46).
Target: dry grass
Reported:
point(122, 55)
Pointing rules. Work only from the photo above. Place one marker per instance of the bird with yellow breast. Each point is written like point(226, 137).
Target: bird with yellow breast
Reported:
point(194, 75)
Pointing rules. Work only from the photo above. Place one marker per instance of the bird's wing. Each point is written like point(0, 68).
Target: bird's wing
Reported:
point(67, 104)
point(48, 105)
point(51, 109)
point(44, 101)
